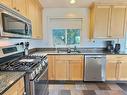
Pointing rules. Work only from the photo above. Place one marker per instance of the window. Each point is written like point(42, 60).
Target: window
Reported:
point(64, 31)
point(66, 36)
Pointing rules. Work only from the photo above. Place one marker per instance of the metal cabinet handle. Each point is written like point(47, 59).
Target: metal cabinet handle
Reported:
point(14, 8)
point(109, 36)
point(24, 93)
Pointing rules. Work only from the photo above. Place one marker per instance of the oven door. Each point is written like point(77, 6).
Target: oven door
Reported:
point(39, 86)
point(14, 26)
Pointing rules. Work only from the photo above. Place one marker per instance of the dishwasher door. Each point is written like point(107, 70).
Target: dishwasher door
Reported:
point(95, 68)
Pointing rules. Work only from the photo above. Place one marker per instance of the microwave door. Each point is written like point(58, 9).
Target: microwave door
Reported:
point(13, 26)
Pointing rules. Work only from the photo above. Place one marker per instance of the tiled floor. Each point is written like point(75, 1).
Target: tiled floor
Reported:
point(88, 89)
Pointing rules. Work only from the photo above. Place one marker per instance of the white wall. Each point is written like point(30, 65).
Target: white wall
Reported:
point(33, 43)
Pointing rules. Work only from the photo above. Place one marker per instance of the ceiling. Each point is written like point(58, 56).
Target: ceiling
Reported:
point(79, 3)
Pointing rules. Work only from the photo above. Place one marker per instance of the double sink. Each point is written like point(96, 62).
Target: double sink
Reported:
point(80, 51)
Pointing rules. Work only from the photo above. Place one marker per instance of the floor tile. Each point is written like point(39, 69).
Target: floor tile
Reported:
point(69, 87)
point(114, 86)
point(80, 87)
point(91, 86)
point(123, 86)
point(113, 92)
point(64, 92)
point(88, 89)
point(76, 92)
point(53, 92)
point(89, 92)
point(103, 86)
point(102, 92)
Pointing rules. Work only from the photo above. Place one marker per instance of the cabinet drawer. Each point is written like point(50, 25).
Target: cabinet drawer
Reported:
point(69, 57)
point(116, 57)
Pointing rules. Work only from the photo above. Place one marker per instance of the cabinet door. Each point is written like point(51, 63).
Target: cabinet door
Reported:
point(12, 90)
point(111, 70)
point(21, 6)
point(76, 70)
point(39, 22)
point(6, 2)
point(117, 22)
point(101, 21)
point(61, 70)
point(122, 70)
point(51, 67)
point(32, 16)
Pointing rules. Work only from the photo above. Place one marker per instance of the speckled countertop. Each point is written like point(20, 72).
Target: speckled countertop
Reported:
point(7, 79)
point(85, 52)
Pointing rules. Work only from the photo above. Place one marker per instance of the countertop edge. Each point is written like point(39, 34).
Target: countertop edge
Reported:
point(11, 84)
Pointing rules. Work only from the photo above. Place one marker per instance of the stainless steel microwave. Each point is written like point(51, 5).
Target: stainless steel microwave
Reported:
point(12, 25)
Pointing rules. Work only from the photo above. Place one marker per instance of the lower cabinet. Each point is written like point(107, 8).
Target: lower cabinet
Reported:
point(65, 67)
point(122, 75)
point(111, 70)
point(76, 70)
point(60, 70)
point(116, 67)
point(16, 89)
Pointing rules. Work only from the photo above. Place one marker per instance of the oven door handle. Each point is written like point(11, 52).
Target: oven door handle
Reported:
point(38, 78)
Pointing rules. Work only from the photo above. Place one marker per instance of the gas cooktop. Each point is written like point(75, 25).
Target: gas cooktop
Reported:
point(21, 64)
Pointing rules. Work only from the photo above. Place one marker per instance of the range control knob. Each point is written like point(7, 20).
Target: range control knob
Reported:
point(43, 64)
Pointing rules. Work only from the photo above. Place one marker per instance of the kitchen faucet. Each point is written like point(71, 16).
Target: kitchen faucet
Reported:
point(75, 48)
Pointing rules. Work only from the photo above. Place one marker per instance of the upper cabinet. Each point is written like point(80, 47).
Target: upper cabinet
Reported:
point(35, 15)
point(118, 15)
point(18, 5)
point(107, 21)
point(7, 3)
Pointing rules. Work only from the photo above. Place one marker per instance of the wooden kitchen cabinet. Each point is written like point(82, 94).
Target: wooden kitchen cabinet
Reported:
point(107, 21)
point(101, 21)
point(65, 67)
point(35, 15)
point(118, 15)
point(16, 89)
point(61, 70)
point(39, 34)
point(7, 3)
point(76, 70)
point(116, 67)
point(51, 75)
point(122, 75)
point(32, 16)
point(111, 68)
point(20, 6)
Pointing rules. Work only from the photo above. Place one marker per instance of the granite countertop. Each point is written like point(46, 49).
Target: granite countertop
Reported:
point(82, 52)
point(7, 79)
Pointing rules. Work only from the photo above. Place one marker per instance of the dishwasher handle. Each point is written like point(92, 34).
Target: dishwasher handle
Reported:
point(95, 56)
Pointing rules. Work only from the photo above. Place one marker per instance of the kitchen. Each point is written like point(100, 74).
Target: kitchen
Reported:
point(65, 48)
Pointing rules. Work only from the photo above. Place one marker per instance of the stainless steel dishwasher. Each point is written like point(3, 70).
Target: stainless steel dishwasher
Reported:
point(94, 67)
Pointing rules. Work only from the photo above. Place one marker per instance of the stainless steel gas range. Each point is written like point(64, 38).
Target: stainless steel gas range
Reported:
point(36, 79)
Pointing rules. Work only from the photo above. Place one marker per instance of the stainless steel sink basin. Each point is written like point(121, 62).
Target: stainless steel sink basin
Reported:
point(65, 51)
